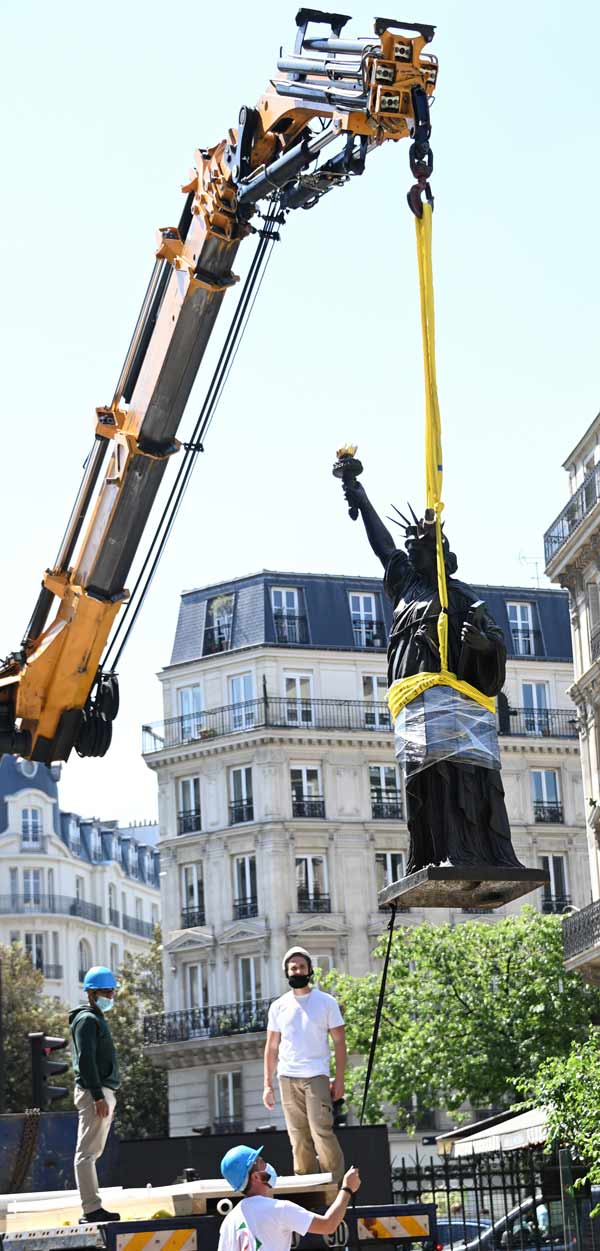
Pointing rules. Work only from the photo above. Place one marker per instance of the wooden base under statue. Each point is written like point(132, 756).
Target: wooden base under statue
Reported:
point(468, 886)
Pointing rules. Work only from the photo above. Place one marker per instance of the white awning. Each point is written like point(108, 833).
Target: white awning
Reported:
point(526, 1130)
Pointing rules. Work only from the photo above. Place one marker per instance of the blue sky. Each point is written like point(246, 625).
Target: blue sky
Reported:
point(105, 106)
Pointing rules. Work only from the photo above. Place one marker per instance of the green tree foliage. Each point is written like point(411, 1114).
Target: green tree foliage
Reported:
point(26, 1010)
point(469, 1010)
point(142, 1104)
point(569, 1087)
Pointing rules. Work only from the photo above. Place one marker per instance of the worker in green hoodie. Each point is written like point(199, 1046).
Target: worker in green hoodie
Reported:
point(96, 1082)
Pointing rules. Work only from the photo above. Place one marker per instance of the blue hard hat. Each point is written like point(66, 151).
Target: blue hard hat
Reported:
point(236, 1165)
point(99, 978)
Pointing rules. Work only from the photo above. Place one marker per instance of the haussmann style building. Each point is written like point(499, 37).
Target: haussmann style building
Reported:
point(282, 809)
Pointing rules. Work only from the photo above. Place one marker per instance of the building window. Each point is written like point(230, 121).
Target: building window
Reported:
point(123, 904)
point(139, 910)
point(323, 960)
point(307, 799)
point(547, 806)
point(367, 630)
point(113, 915)
point(79, 889)
point(386, 794)
point(520, 620)
point(14, 938)
point(192, 896)
point(290, 626)
point(241, 805)
point(593, 604)
point(312, 882)
point(190, 711)
point(34, 946)
point(228, 1103)
point(243, 710)
point(219, 621)
point(14, 886)
point(189, 817)
point(250, 981)
point(85, 960)
point(50, 881)
point(32, 887)
point(74, 836)
point(389, 867)
point(298, 699)
point(154, 914)
point(31, 825)
point(114, 957)
point(555, 897)
point(96, 846)
point(535, 707)
point(245, 897)
point(376, 711)
point(196, 982)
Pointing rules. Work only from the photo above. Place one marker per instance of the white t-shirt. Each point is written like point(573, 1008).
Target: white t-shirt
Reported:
point(259, 1222)
point(304, 1022)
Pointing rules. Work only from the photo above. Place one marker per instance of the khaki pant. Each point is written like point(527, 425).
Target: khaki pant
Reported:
point(308, 1115)
point(92, 1133)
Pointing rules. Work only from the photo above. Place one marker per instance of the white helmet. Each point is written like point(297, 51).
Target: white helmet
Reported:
point(296, 951)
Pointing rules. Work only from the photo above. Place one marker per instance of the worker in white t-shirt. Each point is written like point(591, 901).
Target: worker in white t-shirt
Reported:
point(298, 1031)
point(262, 1221)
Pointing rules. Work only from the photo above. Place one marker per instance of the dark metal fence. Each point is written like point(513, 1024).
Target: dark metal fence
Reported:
point(500, 1202)
point(582, 930)
point(318, 714)
point(579, 505)
point(542, 722)
point(220, 1021)
point(60, 905)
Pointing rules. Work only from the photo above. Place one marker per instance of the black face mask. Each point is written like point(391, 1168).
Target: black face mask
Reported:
point(298, 981)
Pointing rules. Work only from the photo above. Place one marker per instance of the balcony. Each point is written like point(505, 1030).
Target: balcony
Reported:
point(219, 1022)
point(386, 805)
point(526, 642)
point(114, 918)
point(572, 515)
point(541, 723)
point(228, 1125)
point(59, 905)
point(581, 931)
point(369, 634)
point(312, 807)
point(53, 972)
point(547, 814)
point(36, 844)
point(314, 714)
point(245, 907)
point(556, 904)
point(290, 629)
point(241, 810)
point(192, 917)
point(217, 638)
point(313, 903)
point(189, 822)
point(133, 925)
point(595, 645)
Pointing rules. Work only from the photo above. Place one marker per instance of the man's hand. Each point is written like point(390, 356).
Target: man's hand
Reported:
point(269, 1097)
point(351, 1179)
point(337, 1088)
point(102, 1108)
point(475, 639)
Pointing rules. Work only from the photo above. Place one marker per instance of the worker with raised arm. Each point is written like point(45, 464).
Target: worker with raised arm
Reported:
point(299, 1026)
point(259, 1220)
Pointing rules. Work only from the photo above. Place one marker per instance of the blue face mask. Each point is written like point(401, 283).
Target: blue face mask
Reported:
point(104, 1003)
point(273, 1175)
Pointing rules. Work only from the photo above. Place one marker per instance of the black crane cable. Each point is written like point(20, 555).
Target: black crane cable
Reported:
point(378, 1013)
point(239, 321)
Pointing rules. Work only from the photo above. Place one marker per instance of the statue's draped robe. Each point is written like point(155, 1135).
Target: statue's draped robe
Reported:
point(455, 812)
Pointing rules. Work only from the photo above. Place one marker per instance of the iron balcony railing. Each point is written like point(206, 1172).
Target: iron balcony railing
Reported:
point(54, 972)
point(317, 714)
point(290, 629)
point(245, 907)
point(541, 722)
point(371, 634)
point(59, 905)
point(189, 822)
point(581, 931)
point(218, 1022)
point(386, 805)
point(133, 925)
point(228, 1125)
point(547, 813)
point(191, 917)
point(313, 903)
point(311, 807)
point(595, 644)
point(572, 515)
point(556, 903)
point(114, 918)
point(241, 810)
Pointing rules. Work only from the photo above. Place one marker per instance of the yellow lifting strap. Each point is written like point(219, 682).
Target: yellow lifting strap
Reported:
point(406, 689)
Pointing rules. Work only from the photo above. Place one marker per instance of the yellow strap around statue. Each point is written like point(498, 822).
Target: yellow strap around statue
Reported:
point(406, 689)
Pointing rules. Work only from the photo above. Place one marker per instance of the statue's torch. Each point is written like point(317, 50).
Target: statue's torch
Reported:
point(348, 468)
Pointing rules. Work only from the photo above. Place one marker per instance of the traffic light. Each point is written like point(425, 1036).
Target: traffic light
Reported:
point(42, 1067)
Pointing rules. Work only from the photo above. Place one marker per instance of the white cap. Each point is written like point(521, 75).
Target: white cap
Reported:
point(296, 951)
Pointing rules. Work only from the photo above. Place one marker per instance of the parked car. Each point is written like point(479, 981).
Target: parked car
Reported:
point(533, 1225)
point(454, 1234)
